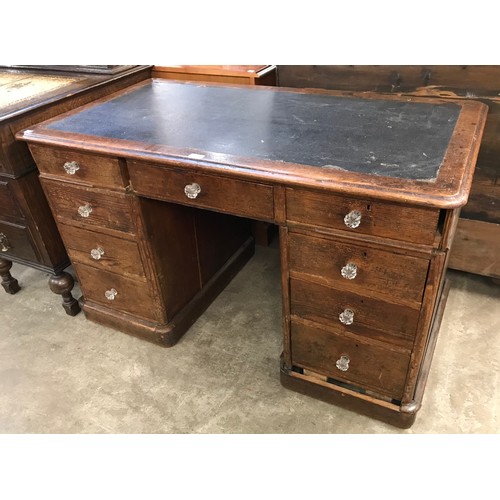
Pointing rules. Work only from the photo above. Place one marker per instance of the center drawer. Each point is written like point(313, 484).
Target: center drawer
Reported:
point(246, 199)
point(400, 276)
point(92, 207)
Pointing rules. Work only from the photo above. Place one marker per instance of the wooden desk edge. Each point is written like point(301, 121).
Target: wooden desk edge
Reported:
point(443, 193)
point(214, 70)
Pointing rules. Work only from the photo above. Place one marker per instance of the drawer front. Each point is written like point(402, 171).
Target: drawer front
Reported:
point(363, 365)
point(102, 251)
point(398, 222)
point(215, 193)
point(385, 272)
point(8, 204)
point(125, 294)
point(79, 167)
point(15, 241)
point(92, 207)
point(325, 305)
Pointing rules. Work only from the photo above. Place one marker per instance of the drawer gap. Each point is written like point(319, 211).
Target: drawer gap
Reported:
point(351, 387)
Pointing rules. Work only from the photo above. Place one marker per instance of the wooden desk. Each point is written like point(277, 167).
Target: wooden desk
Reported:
point(366, 191)
point(28, 233)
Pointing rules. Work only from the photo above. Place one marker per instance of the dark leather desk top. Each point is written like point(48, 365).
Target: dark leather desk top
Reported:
point(393, 138)
point(413, 150)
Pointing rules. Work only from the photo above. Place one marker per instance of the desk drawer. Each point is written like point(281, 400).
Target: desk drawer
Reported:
point(385, 272)
point(92, 207)
point(221, 194)
point(102, 251)
point(377, 218)
point(15, 241)
point(8, 204)
point(79, 167)
point(355, 362)
point(324, 305)
point(117, 292)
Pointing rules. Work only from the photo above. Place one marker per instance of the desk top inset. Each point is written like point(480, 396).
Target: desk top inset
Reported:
point(414, 148)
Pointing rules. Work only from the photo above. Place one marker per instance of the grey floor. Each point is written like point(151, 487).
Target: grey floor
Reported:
point(68, 375)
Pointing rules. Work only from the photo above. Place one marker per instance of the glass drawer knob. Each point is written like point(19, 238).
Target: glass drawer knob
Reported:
point(85, 210)
point(97, 253)
point(349, 271)
point(4, 243)
point(192, 190)
point(343, 363)
point(71, 167)
point(110, 294)
point(347, 317)
point(353, 219)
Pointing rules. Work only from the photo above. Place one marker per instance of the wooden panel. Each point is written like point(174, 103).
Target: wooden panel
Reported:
point(371, 367)
point(18, 240)
point(109, 209)
point(120, 256)
point(171, 238)
point(322, 304)
point(92, 169)
point(385, 272)
point(476, 248)
point(222, 194)
point(218, 237)
point(8, 205)
point(399, 222)
point(483, 204)
point(457, 80)
point(133, 296)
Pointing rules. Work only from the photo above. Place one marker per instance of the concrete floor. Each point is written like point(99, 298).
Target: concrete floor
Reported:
point(68, 375)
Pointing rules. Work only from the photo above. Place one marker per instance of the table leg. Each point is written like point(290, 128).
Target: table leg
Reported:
point(62, 284)
point(9, 283)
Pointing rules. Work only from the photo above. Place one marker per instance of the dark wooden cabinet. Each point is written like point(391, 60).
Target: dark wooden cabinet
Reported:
point(156, 220)
point(28, 233)
point(477, 239)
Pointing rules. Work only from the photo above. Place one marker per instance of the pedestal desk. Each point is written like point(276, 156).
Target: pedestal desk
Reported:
point(28, 233)
point(366, 191)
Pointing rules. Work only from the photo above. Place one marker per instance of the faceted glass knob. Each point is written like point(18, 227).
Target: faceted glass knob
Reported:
point(71, 167)
point(192, 190)
point(97, 253)
point(343, 363)
point(349, 271)
point(353, 219)
point(110, 294)
point(346, 317)
point(85, 210)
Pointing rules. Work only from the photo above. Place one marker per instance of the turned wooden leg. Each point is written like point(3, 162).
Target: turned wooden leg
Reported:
point(9, 283)
point(62, 284)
